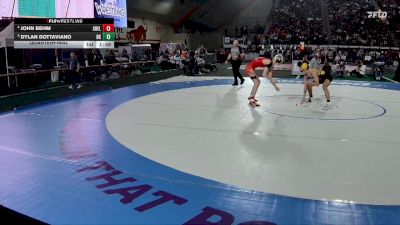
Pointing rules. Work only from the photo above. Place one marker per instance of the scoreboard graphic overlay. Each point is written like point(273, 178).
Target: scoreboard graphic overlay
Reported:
point(64, 33)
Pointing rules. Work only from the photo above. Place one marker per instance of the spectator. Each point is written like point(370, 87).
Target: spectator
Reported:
point(74, 68)
point(360, 71)
point(94, 57)
point(397, 75)
point(315, 62)
point(379, 70)
point(340, 69)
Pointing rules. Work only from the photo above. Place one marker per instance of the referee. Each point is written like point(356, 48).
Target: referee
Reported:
point(235, 57)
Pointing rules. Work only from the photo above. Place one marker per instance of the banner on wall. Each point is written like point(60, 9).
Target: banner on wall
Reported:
point(171, 48)
point(115, 9)
point(228, 42)
point(144, 31)
point(125, 51)
point(295, 69)
point(2, 42)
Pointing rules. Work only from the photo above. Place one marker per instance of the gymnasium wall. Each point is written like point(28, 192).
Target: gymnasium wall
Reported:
point(209, 40)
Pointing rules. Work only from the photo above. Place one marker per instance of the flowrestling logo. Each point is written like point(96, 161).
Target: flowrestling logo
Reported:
point(377, 14)
point(109, 10)
point(115, 9)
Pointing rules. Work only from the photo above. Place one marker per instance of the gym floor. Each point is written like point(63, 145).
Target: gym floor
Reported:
point(189, 150)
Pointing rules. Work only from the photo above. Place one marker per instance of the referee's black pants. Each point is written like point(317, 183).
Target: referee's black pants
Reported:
point(235, 69)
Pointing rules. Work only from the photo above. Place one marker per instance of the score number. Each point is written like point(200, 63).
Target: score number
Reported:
point(108, 36)
point(108, 32)
point(108, 28)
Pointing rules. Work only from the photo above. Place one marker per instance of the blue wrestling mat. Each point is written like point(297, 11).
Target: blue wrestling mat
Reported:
point(60, 165)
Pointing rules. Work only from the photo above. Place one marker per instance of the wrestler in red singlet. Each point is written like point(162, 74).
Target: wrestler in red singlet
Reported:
point(267, 64)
